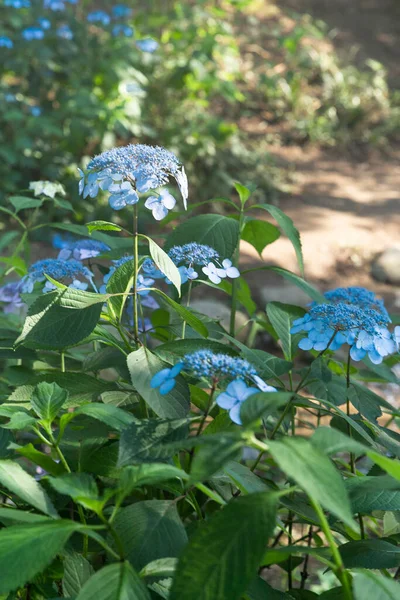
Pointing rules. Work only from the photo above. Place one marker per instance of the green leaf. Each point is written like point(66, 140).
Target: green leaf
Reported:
point(143, 365)
point(161, 567)
point(214, 451)
point(261, 590)
point(373, 493)
point(217, 231)
point(150, 440)
point(315, 474)
point(260, 234)
point(164, 263)
point(186, 314)
point(244, 479)
point(15, 479)
point(77, 485)
point(224, 552)
point(26, 550)
point(281, 317)
point(40, 458)
point(257, 405)
point(370, 554)
point(148, 474)
point(49, 324)
point(47, 399)
point(121, 282)
point(13, 516)
point(331, 441)
point(114, 582)
point(150, 530)
point(373, 585)
point(268, 366)
point(365, 401)
point(114, 417)
point(288, 228)
point(102, 226)
point(243, 191)
point(77, 570)
point(16, 262)
point(20, 421)
point(6, 437)
point(24, 202)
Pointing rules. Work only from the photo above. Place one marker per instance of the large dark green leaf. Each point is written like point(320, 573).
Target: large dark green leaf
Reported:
point(148, 474)
point(150, 440)
point(373, 493)
point(213, 453)
point(221, 233)
point(47, 399)
point(77, 570)
point(365, 401)
point(224, 553)
point(261, 590)
point(262, 404)
point(150, 530)
point(15, 479)
point(114, 582)
point(26, 550)
point(143, 365)
point(370, 554)
point(246, 481)
point(315, 474)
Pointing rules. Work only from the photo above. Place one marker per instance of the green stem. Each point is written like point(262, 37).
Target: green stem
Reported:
point(135, 273)
point(62, 357)
point(340, 570)
point(187, 306)
point(115, 537)
point(235, 283)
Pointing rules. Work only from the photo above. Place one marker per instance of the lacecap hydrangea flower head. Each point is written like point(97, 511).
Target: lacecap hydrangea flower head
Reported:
point(67, 271)
point(355, 317)
point(216, 368)
point(128, 171)
point(188, 256)
point(78, 249)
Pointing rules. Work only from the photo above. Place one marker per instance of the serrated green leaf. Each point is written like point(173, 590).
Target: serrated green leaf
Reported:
point(373, 493)
point(148, 474)
point(224, 553)
point(186, 314)
point(47, 399)
point(212, 454)
point(15, 479)
point(245, 480)
point(370, 554)
point(114, 582)
point(77, 570)
point(102, 226)
point(257, 405)
point(24, 202)
point(281, 317)
point(161, 567)
point(368, 584)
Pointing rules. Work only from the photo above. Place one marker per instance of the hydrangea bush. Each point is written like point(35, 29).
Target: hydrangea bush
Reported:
point(146, 451)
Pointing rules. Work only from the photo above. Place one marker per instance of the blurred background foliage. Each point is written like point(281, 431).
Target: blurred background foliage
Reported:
point(227, 80)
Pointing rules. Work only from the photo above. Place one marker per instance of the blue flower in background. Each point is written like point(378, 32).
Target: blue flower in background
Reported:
point(161, 204)
point(65, 32)
point(121, 11)
point(44, 23)
point(145, 167)
point(233, 397)
point(79, 249)
point(193, 254)
point(55, 5)
point(17, 3)
point(357, 296)
point(165, 379)
point(57, 269)
point(121, 29)
point(35, 111)
point(147, 45)
point(99, 16)
point(33, 33)
point(150, 268)
point(122, 194)
point(142, 284)
point(10, 295)
point(117, 263)
point(149, 302)
point(6, 42)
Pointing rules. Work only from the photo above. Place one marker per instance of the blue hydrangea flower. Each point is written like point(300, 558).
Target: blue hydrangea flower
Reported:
point(44, 23)
point(55, 5)
point(35, 111)
point(122, 29)
point(17, 3)
point(147, 45)
point(144, 325)
point(333, 325)
point(396, 336)
point(122, 194)
point(116, 264)
point(357, 296)
point(121, 11)
point(142, 284)
point(65, 32)
point(149, 301)
point(57, 269)
point(151, 270)
point(33, 33)
point(99, 16)
point(145, 167)
point(233, 397)
point(161, 204)
point(10, 295)
point(165, 379)
point(6, 42)
point(80, 249)
point(205, 256)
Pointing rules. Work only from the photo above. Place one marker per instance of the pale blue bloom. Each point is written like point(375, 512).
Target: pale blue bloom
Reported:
point(33, 33)
point(58, 269)
point(17, 3)
point(44, 23)
point(151, 269)
point(10, 295)
point(357, 296)
point(161, 204)
point(122, 194)
point(214, 274)
point(147, 45)
point(122, 29)
point(149, 301)
point(55, 5)
point(234, 396)
point(65, 32)
point(165, 379)
point(230, 271)
point(6, 42)
point(99, 16)
point(80, 249)
point(35, 111)
point(121, 11)
point(142, 284)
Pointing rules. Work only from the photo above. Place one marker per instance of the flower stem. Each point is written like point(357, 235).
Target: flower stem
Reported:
point(187, 306)
point(340, 570)
point(235, 282)
point(135, 273)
